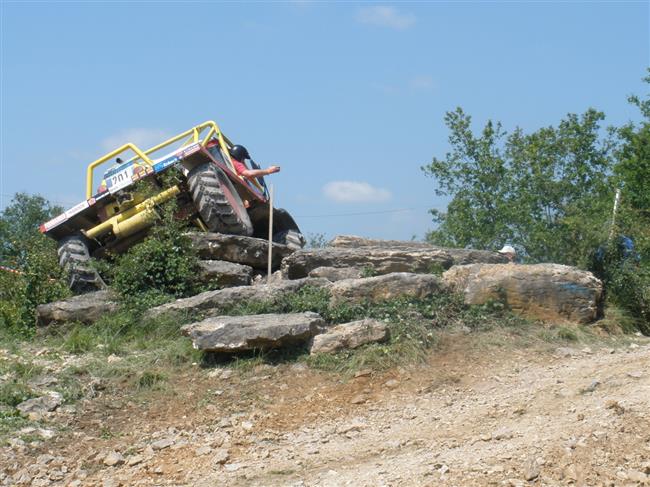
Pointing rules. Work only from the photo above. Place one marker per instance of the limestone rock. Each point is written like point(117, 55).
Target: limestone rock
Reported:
point(86, 308)
point(542, 291)
point(255, 332)
point(236, 248)
point(385, 287)
point(225, 274)
point(221, 299)
point(336, 273)
point(459, 256)
point(380, 260)
point(40, 405)
point(349, 335)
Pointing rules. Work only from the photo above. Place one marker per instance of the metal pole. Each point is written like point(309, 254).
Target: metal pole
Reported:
point(617, 200)
point(268, 273)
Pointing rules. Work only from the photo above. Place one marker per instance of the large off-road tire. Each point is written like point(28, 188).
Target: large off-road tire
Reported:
point(291, 238)
point(218, 202)
point(75, 260)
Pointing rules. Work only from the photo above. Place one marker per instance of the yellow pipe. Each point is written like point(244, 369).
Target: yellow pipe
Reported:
point(110, 155)
point(133, 219)
point(193, 133)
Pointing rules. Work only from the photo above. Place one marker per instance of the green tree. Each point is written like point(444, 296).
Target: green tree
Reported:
point(37, 278)
point(546, 191)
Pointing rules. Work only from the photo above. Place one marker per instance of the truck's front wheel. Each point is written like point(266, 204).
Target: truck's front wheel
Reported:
point(75, 261)
point(218, 202)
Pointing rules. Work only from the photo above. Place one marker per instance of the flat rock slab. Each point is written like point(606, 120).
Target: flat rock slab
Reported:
point(240, 250)
point(336, 273)
point(40, 405)
point(388, 286)
point(86, 308)
point(459, 256)
point(217, 301)
point(350, 335)
point(380, 260)
point(256, 332)
point(225, 274)
point(549, 292)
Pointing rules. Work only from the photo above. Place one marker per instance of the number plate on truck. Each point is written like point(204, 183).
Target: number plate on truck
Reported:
point(120, 180)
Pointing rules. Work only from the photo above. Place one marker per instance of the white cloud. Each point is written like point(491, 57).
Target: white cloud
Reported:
point(421, 82)
point(383, 16)
point(143, 138)
point(355, 192)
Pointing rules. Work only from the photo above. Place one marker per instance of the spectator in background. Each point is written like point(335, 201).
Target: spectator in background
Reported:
point(509, 252)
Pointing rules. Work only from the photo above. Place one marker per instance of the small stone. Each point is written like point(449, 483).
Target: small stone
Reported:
point(134, 460)
point(363, 373)
point(531, 469)
point(232, 467)
point(158, 470)
point(391, 384)
point(113, 359)
point(226, 374)
point(613, 404)
point(247, 425)
point(580, 417)
point(162, 444)
point(358, 399)
point(634, 346)
point(502, 434)
point(221, 456)
point(443, 469)
point(113, 458)
point(148, 451)
point(636, 476)
point(202, 450)
point(635, 375)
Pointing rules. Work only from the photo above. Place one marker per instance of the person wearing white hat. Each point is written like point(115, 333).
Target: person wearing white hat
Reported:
point(510, 253)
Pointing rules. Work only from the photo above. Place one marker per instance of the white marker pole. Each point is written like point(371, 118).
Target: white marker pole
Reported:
point(268, 274)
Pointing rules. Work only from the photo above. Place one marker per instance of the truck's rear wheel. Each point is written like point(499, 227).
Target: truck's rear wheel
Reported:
point(291, 238)
point(218, 202)
point(75, 260)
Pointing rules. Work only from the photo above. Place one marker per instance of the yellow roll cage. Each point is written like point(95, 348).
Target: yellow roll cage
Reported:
point(194, 135)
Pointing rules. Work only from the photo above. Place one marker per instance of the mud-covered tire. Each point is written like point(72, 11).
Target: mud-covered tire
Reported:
point(291, 238)
point(75, 261)
point(218, 202)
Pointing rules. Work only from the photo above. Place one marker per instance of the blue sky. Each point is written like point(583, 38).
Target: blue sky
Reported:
point(348, 98)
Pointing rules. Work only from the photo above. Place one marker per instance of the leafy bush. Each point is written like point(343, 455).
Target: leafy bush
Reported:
point(164, 262)
point(38, 278)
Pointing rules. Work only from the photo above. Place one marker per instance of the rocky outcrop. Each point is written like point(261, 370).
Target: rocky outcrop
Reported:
point(380, 260)
point(240, 250)
point(225, 274)
point(41, 405)
point(542, 291)
point(385, 287)
point(85, 308)
point(458, 256)
point(256, 332)
point(349, 335)
point(215, 302)
point(336, 273)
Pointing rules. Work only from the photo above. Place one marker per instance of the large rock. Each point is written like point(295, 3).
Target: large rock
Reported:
point(388, 286)
point(382, 261)
point(225, 274)
point(336, 273)
point(215, 302)
point(240, 250)
point(349, 335)
point(85, 308)
point(458, 256)
point(41, 405)
point(255, 332)
point(542, 291)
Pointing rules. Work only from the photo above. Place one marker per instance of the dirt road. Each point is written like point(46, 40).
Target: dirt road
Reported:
point(471, 416)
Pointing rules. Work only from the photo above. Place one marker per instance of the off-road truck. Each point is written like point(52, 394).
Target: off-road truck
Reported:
point(207, 189)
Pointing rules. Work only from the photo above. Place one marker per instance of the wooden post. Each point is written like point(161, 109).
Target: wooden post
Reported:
point(270, 258)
